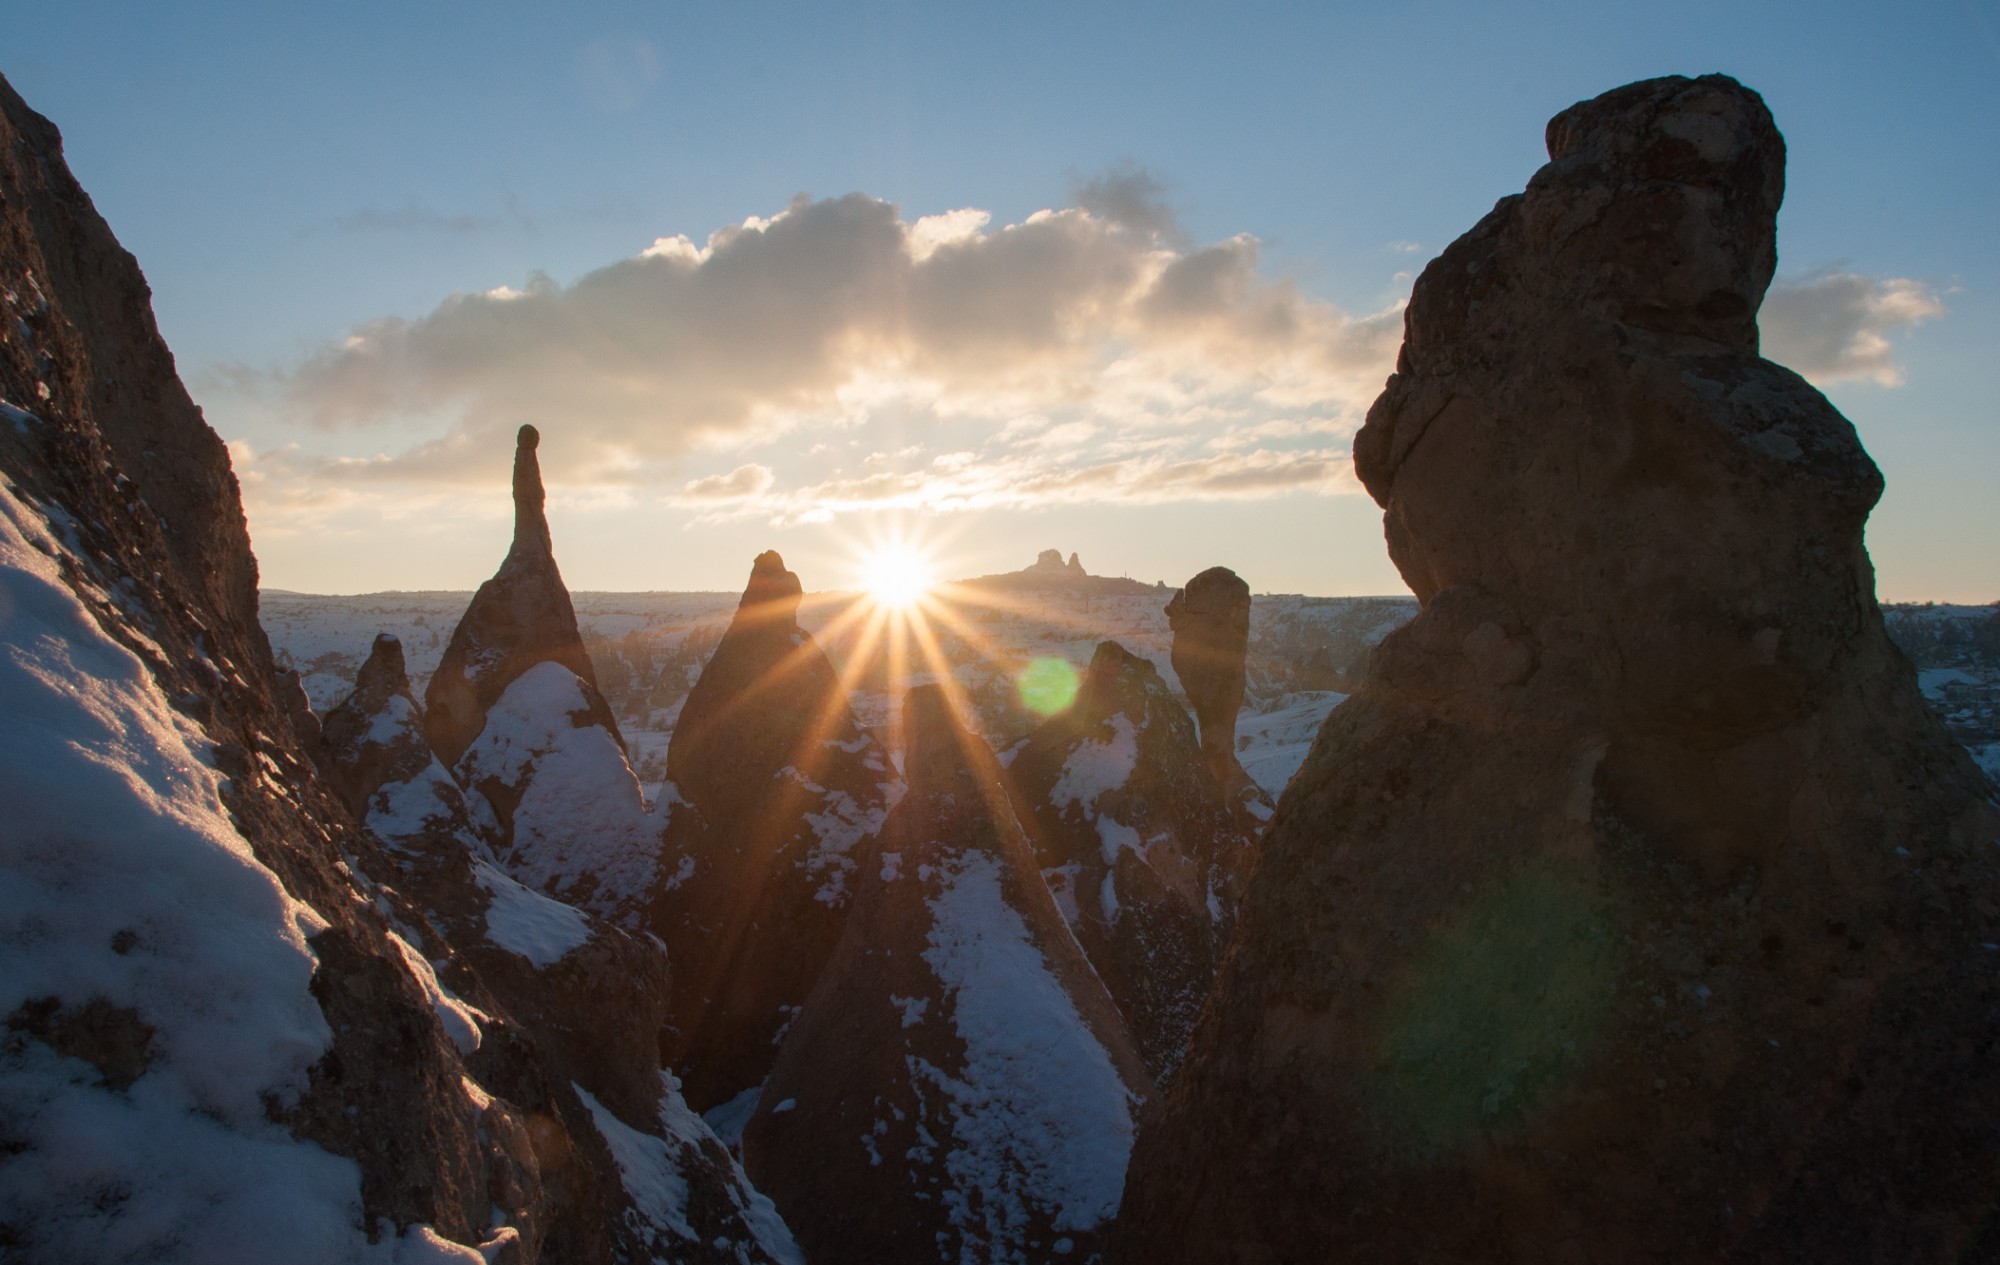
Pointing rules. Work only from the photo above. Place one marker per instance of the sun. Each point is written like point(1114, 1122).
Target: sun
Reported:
point(896, 577)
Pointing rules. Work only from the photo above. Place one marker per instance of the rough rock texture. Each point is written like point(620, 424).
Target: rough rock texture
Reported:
point(133, 647)
point(221, 1032)
point(571, 1005)
point(1210, 619)
point(959, 1086)
point(1633, 908)
point(1142, 855)
point(519, 618)
point(788, 783)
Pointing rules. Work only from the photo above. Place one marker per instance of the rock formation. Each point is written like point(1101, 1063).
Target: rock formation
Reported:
point(788, 783)
point(1210, 619)
point(1143, 857)
point(568, 1007)
point(515, 713)
point(518, 619)
point(1634, 908)
point(191, 964)
point(959, 1086)
point(1050, 574)
point(221, 1032)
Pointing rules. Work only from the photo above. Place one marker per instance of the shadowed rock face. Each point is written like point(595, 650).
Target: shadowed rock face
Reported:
point(788, 783)
point(519, 618)
point(1211, 623)
point(1633, 906)
point(959, 1086)
point(1143, 856)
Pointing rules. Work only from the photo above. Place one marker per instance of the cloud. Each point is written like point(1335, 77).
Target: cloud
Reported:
point(833, 312)
point(742, 482)
point(1128, 194)
point(1833, 325)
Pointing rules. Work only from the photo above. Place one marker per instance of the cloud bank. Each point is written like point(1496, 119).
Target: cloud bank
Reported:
point(838, 358)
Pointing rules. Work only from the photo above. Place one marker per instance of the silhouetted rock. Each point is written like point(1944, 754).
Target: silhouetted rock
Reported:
point(518, 619)
point(1050, 575)
point(1143, 857)
point(569, 1006)
point(186, 903)
point(1633, 908)
point(788, 783)
point(1210, 619)
point(959, 1086)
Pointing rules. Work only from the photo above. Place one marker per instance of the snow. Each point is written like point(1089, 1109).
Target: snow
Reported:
point(1933, 680)
point(1271, 746)
point(647, 1169)
point(581, 812)
point(1040, 1119)
point(729, 1119)
point(528, 924)
point(650, 1169)
point(1096, 767)
point(461, 1021)
point(122, 880)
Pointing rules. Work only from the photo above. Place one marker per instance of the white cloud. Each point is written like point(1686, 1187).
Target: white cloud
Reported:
point(827, 314)
point(739, 484)
point(1834, 325)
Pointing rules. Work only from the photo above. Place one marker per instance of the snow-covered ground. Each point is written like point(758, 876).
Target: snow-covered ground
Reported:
point(650, 647)
point(1304, 652)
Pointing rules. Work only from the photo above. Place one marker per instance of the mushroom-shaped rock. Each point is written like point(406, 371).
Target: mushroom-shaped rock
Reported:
point(788, 782)
point(1210, 619)
point(1141, 853)
point(1634, 906)
point(959, 1086)
point(517, 619)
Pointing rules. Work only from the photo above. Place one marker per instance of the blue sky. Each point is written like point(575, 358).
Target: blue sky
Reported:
point(292, 177)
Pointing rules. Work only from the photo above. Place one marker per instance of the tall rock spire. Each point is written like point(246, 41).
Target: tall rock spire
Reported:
point(521, 617)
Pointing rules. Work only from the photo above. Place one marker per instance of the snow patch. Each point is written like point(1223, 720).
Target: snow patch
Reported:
point(1096, 767)
point(528, 924)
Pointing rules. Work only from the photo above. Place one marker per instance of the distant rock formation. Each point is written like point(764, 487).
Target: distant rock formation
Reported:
point(1143, 857)
point(959, 1086)
point(564, 1009)
point(1633, 908)
point(788, 783)
point(519, 618)
point(1050, 573)
point(1210, 619)
point(208, 959)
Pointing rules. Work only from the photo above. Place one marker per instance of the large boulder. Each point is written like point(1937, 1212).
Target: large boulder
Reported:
point(1210, 619)
point(520, 618)
point(788, 783)
point(959, 1086)
point(1634, 907)
point(1138, 848)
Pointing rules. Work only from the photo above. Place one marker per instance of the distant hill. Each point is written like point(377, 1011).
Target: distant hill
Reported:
point(1051, 573)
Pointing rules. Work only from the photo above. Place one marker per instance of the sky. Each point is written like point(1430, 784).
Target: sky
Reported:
point(1113, 279)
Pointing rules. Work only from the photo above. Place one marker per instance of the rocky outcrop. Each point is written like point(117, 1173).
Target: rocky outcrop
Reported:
point(568, 1007)
point(518, 619)
point(1633, 907)
point(1142, 855)
point(209, 960)
point(199, 961)
point(788, 783)
point(1210, 619)
point(1050, 574)
point(515, 714)
point(959, 1086)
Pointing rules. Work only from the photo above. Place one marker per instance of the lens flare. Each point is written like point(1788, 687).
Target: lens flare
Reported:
point(1048, 685)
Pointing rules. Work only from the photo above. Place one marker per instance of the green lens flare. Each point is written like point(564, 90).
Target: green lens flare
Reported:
point(1048, 685)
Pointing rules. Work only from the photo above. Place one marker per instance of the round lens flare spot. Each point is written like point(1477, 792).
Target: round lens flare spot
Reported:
point(896, 578)
point(1048, 685)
